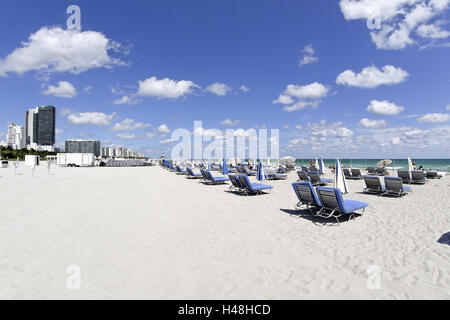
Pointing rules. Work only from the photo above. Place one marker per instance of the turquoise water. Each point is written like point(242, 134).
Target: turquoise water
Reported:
point(427, 164)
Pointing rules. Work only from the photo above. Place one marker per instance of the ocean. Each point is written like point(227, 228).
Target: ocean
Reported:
point(427, 164)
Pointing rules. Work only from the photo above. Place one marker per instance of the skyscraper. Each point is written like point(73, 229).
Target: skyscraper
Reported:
point(16, 136)
point(40, 126)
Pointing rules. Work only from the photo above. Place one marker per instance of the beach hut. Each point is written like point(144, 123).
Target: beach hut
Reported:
point(339, 179)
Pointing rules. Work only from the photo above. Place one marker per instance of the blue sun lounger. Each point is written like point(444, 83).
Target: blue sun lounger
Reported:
point(214, 180)
point(394, 187)
point(373, 185)
point(179, 170)
point(307, 197)
point(191, 175)
point(316, 180)
point(248, 172)
point(235, 184)
point(252, 188)
point(334, 205)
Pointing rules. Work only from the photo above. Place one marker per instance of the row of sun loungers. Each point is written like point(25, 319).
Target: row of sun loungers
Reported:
point(313, 177)
point(392, 186)
point(325, 202)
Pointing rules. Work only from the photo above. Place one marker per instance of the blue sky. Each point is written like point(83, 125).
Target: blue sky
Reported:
point(137, 70)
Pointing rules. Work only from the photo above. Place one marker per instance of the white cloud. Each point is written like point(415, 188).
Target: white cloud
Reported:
point(230, 123)
point(367, 123)
point(63, 90)
point(88, 89)
point(57, 50)
point(126, 136)
point(434, 118)
point(398, 19)
point(448, 107)
point(163, 129)
point(396, 141)
point(93, 118)
point(308, 56)
point(58, 131)
point(432, 31)
point(219, 89)
point(165, 88)
point(65, 112)
point(384, 108)
point(244, 88)
point(167, 141)
point(324, 130)
point(298, 127)
point(129, 125)
point(297, 97)
point(372, 77)
point(129, 100)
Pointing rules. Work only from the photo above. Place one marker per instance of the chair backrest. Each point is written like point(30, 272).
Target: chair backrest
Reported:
point(234, 181)
point(356, 173)
point(372, 182)
point(346, 172)
point(431, 174)
point(371, 169)
point(306, 193)
point(245, 182)
point(315, 178)
point(204, 174)
point(209, 175)
point(313, 169)
point(393, 183)
point(304, 168)
point(302, 176)
point(331, 198)
point(418, 175)
point(189, 171)
point(381, 170)
point(404, 175)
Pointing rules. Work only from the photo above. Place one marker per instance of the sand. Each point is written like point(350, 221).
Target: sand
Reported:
point(146, 233)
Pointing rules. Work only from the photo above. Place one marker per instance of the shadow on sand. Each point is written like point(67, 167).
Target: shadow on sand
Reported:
point(445, 238)
point(307, 215)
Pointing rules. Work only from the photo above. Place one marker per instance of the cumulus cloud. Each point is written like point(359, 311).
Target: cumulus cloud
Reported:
point(126, 136)
point(297, 97)
point(63, 90)
point(230, 123)
point(164, 129)
point(88, 89)
point(165, 88)
point(244, 88)
point(58, 50)
point(434, 118)
point(372, 77)
point(308, 56)
point(129, 125)
point(129, 100)
point(384, 108)
point(323, 129)
point(432, 31)
point(367, 123)
point(92, 118)
point(219, 89)
point(397, 19)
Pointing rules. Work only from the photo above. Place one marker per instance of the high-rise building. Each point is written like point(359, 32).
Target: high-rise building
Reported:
point(83, 146)
point(40, 126)
point(15, 137)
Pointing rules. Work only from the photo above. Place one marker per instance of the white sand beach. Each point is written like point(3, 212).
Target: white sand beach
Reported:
point(146, 233)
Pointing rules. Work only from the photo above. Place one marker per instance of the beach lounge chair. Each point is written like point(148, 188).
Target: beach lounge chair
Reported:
point(179, 170)
point(247, 172)
point(313, 169)
point(215, 180)
point(405, 176)
point(191, 175)
point(305, 168)
point(381, 171)
point(317, 181)
point(307, 196)
point(271, 175)
point(373, 185)
point(347, 173)
point(418, 177)
point(432, 175)
point(235, 184)
point(252, 188)
point(356, 174)
point(394, 187)
point(334, 205)
point(302, 176)
point(371, 170)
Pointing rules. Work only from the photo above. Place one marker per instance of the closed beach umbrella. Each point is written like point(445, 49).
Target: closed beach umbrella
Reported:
point(224, 167)
point(254, 164)
point(317, 163)
point(339, 179)
point(268, 162)
point(261, 174)
point(322, 167)
point(410, 165)
point(209, 166)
